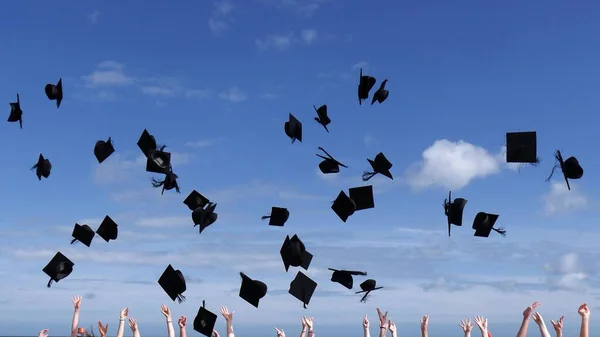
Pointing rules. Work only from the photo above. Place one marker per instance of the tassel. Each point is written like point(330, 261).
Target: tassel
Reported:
point(318, 120)
point(557, 157)
point(304, 298)
point(365, 297)
point(157, 183)
point(49, 283)
point(180, 298)
point(265, 217)
point(177, 188)
point(500, 231)
point(367, 175)
point(73, 241)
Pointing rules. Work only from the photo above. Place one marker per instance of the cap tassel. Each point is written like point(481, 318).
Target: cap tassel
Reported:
point(203, 303)
point(304, 298)
point(368, 175)
point(50, 283)
point(157, 183)
point(365, 297)
point(73, 241)
point(265, 217)
point(180, 298)
point(557, 156)
point(500, 231)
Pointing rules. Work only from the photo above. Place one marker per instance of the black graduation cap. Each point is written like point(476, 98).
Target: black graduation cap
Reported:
point(83, 233)
point(42, 168)
point(55, 92)
point(168, 183)
point(103, 149)
point(322, 117)
point(570, 168)
point(205, 217)
point(344, 277)
point(158, 161)
point(108, 229)
point(302, 288)
point(381, 94)
point(294, 253)
point(293, 129)
point(173, 283)
point(367, 286)
point(454, 210)
point(147, 143)
point(329, 164)
point(483, 224)
point(252, 290)
point(205, 321)
point(58, 268)
point(362, 197)
point(379, 165)
point(365, 85)
point(16, 114)
point(343, 206)
point(521, 147)
point(195, 200)
point(278, 216)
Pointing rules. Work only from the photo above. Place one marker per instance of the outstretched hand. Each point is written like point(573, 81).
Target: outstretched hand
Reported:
point(382, 318)
point(102, 329)
point(365, 322)
point(537, 318)
point(424, 322)
point(77, 302)
point(226, 314)
point(182, 320)
point(123, 314)
point(584, 311)
point(558, 325)
point(392, 327)
point(166, 311)
point(215, 333)
point(481, 323)
point(309, 321)
point(43, 333)
point(466, 325)
point(133, 324)
point(280, 333)
point(529, 310)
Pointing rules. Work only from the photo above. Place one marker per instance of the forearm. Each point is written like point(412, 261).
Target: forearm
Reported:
point(366, 332)
point(424, 333)
point(559, 334)
point(523, 329)
point(182, 332)
point(303, 332)
point(75, 322)
point(230, 329)
point(382, 331)
point(120, 328)
point(584, 331)
point(468, 334)
point(543, 330)
point(170, 330)
point(136, 333)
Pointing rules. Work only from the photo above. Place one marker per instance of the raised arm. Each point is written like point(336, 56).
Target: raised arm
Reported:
point(75, 321)
point(122, 317)
point(366, 332)
point(229, 320)
point(43, 333)
point(539, 320)
point(526, 315)
point(134, 327)
point(558, 326)
point(310, 323)
point(383, 322)
point(182, 320)
point(424, 323)
point(102, 329)
point(482, 323)
point(466, 326)
point(392, 328)
point(304, 327)
point(167, 313)
point(584, 311)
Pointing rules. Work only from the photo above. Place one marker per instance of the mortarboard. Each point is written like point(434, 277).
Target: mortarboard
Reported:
point(16, 114)
point(570, 168)
point(322, 117)
point(173, 283)
point(103, 149)
point(293, 129)
point(294, 253)
point(379, 165)
point(147, 143)
point(83, 233)
point(343, 206)
point(252, 290)
point(168, 183)
point(521, 147)
point(483, 224)
point(205, 217)
point(205, 321)
point(42, 168)
point(344, 277)
point(365, 85)
point(158, 161)
point(454, 211)
point(278, 216)
point(381, 94)
point(329, 164)
point(195, 200)
point(302, 288)
point(367, 286)
point(58, 268)
point(108, 229)
point(55, 92)
point(362, 197)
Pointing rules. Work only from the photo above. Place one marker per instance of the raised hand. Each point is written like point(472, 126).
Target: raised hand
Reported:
point(124, 313)
point(182, 320)
point(102, 329)
point(226, 314)
point(215, 333)
point(43, 333)
point(280, 333)
point(133, 324)
point(392, 327)
point(558, 325)
point(382, 318)
point(166, 312)
point(466, 325)
point(481, 323)
point(584, 311)
point(537, 318)
point(309, 321)
point(424, 322)
point(77, 302)
point(365, 322)
point(529, 310)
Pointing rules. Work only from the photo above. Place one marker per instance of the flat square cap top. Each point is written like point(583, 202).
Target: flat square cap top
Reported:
point(484, 223)
point(195, 200)
point(103, 149)
point(252, 291)
point(521, 147)
point(205, 321)
point(362, 197)
point(108, 229)
point(279, 216)
point(294, 253)
point(83, 233)
point(303, 288)
point(58, 268)
point(343, 206)
point(173, 283)
point(147, 143)
point(293, 128)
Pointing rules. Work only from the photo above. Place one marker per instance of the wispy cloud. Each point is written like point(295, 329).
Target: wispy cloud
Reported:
point(108, 73)
point(560, 200)
point(281, 42)
point(204, 143)
point(234, 95)
point(94, 17)
point(221, 18)
point(299, 7)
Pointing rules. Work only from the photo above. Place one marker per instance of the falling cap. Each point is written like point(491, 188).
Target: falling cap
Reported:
point(381, 94)
point(252, 290)
point(279, 216)
point(83, 233)
point(168, 183)
point(147, 143)
point(173, 283)
point(42, 168)
point(205, 321)
point(322, 117)
point(454, 211)
point(329, 164)
point(367, 286)
point(362, 197)
point(570, 168)
point(366, 83)
point(55, 92)
point(379, 165)
point(302, 288)
point(483, 224)
point(158, 161)
point(204, 217)
point(521, 147)
point(58, 268)
point(343, 206)
point(103, 149)
point(344, 277)
point(293, 253)
point(16, 114)
point(195, 200)
point(108, 229)
point(293, 129)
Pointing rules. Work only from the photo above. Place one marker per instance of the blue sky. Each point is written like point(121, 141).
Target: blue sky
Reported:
point(215, 81)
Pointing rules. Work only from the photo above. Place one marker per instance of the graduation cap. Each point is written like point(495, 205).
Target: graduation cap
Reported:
point(173, 283)
point(293, 129)
point(205, 217)
point(302, 288)
point(168, 183)
point(483, 224)
point(329, 164)
point(195, 200)
point(362, 197)
point(379, 165)
point(58, 268)
point(55, 92)
point(368, 286)
point(322, 117)
point(108, 229)
point(147, 143)
point(454, 210)
point(294, 253)
point(365, 85)
point(16, 114)
point(83, 233)
point(521, 147)
point(252, 290)
point(344, 277)
point(570, 168)
point(343, 206)
point(159, 161)
point(381, 94)
point(205, 321)
point(278, 216)
point(42, 168)
point(103, 149)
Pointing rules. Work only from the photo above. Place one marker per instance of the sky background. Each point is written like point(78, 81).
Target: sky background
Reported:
point(215, 81)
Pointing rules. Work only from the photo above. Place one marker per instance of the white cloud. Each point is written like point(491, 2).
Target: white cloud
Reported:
point(309, 35)
point(369, 140)
point(118, 168)
point(567, 273)
point(299, 7)
point(94, 16)
point(275, 41)
point(221, 19)
point(560, 200)
point(203, 143)
point(108, 73)
point(234, 95)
